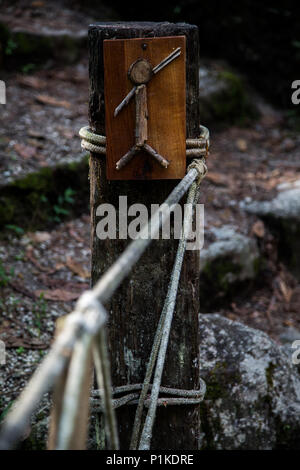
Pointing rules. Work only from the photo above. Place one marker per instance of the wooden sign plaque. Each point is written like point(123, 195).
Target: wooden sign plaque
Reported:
point(149, 128)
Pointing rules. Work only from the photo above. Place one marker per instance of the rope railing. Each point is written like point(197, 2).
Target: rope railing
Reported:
point(96, 143)
point(84, 330)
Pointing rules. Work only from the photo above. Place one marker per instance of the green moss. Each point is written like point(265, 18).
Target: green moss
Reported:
point(287, 232)
point(216, 274)
point(217, 387)
point(32, 201)
point(23, 49)
point(258, 265)
point(37, 439)
point(38, 181)
point(231, 104)
point(269, 374)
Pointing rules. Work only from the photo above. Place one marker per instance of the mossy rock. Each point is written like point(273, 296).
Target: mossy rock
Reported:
point(282, 215)
point(40, 199)
point(37, 440)
point(229, 263)
point(24, 48)
point(252, 400)
point(224, 98)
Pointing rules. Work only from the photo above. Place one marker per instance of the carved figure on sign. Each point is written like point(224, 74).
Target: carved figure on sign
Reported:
point(140, 73)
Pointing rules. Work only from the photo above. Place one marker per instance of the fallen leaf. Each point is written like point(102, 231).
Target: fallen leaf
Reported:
point(35, 134)
point(19, 288)
point(286, 291)
point(68, 133)
point(30, 256)
point(217, 178)
point(258, 229)
point(241, 145)
point(25, 151)
point(288, 323)
point(46, 99)
point(35, 143)
point(37, 3)
point(60, 295)
point(39, 237)
point(75, 235)
point(55, 283)
point(77, 268)
point(32, 82)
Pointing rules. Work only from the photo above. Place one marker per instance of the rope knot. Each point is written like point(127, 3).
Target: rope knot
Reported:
point(93, 311)
point(201, 168)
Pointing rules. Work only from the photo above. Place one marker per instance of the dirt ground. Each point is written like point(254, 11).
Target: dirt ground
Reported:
point(40, 123)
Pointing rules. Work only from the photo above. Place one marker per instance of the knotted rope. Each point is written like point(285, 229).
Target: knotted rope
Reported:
point(96, 143)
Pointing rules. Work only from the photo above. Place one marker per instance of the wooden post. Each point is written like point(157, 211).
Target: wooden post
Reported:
point(136, 307)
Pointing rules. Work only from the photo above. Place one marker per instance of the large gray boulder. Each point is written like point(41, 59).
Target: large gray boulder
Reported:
point(282, 214)
point(253, 388)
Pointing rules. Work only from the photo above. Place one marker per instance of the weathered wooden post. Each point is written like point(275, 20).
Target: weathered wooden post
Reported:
point(136, 307)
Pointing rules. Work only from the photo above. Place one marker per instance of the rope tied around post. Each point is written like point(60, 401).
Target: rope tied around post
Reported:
point(201, 167)
point(141, 439)
point(183, 397)
point(96, 143)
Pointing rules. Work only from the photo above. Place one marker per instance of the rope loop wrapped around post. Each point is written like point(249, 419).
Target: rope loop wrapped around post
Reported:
point(96, 143)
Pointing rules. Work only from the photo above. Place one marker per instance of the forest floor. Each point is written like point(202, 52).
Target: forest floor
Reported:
point(43, 273)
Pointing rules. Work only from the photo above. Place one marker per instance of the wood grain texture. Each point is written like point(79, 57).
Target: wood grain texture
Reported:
point(141, 116)
point(166, 103)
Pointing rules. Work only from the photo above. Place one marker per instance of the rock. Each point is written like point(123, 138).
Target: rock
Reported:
point(37, 440)
point(29, 201)
point(223, 97)
point(39, 34)
point(289, 335)
point(288, 338)
point(229, 260)
point(253, 389)
point(282, 214)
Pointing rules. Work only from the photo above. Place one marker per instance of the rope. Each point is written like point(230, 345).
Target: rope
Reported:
point(165, 326)
point(166, 390)
point(89, 317)
point(160, 343)
point(201, 167)
point(96, 143)
point(102, 367)
point(186, 397)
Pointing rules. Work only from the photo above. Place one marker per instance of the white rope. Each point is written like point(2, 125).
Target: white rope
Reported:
point(96, 143)
point(168, 311)
point(87, 318)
